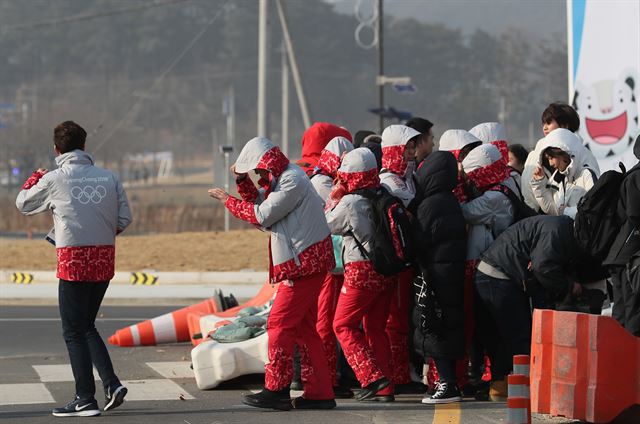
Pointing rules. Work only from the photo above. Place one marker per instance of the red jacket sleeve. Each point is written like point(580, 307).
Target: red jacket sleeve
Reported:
point(242, 209)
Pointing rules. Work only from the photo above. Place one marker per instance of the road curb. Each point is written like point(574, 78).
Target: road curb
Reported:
point(161, 278)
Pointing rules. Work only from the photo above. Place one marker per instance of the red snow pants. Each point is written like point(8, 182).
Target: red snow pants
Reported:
point(366, 351)
point(293, 321)
point(398, 327)
point(327, 302)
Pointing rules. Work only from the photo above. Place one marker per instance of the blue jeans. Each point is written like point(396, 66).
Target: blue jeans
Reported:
point(503, 315)
point(79, 304)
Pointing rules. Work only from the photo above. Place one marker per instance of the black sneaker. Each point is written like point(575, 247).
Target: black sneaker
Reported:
point(445, 393)
point(302, 403)
point(267, 399)
point(114, 397)
point(373, 388)
point(78, 408)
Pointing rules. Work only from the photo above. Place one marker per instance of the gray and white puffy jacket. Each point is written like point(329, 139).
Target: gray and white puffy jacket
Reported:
point(289, 207)
point(491, 213)
point(89, 208)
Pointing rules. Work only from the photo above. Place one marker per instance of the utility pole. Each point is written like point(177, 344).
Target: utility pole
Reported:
point(380, 64)
point(285, 102)
point(306, 119)
point(262, 68)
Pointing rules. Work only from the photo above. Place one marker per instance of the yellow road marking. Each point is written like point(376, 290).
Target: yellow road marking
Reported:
point(448, 413)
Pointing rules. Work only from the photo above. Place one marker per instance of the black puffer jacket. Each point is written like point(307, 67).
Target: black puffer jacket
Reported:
point(547, 242)
point(441, 238)
point(627, 243)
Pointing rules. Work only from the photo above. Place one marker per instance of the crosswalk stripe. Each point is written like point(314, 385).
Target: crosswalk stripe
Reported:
point(155, 390)
point(57, 373)
point(24, 394)
point(172, 369)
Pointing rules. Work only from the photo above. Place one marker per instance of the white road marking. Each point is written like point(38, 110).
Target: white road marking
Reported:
point(24, 394)
point(57, 373)
point(155, 390)
point(172, 369)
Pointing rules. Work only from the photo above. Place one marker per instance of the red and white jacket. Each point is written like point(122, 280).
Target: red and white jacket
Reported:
point(289, 207)
point(352, 215)
point(325, 171)
point(89, 207)
point(397, 173)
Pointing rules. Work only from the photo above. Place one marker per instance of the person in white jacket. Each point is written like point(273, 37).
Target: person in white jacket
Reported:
point(559, 193)
point(363, 305)
point(397, 176)
point(89, 207)
point(300, 255)
point(322, 180)
point(556, 115)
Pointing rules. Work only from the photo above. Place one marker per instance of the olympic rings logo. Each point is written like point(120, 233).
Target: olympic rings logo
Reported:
point(88, 194)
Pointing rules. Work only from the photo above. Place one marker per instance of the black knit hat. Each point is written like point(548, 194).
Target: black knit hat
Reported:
point(419, 124)
point(359, 137)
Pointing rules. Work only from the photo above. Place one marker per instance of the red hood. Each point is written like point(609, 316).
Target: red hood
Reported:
point(328, 163)
point(488, 176)
point(314, 139)
point(360, 180)
point(273, 161)
point(393, 159)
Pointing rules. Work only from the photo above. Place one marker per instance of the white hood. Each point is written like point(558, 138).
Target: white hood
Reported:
point(455, 140)
point(570, 143)
point(397, 135)
point(488, 132)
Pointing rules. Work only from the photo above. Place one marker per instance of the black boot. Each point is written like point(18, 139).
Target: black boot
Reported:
point(302, 403)
point(342, 392)
point(279, 400)
point(370, 390)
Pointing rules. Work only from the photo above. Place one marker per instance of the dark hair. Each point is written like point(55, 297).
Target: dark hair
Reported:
point(359, 137)
point(69, 136)
point(563, 114)
point(419, 124)
point(556, 153)
point(375, 148)
point(519, 152)
point(467, 149)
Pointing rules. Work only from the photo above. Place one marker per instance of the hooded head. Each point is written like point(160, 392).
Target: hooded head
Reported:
point(439, 172)
point(261, 153)
point(493, 133)
point(568, 142)
point(359, 170)
point(394, 141)
point(314, 139)
point(455, 141)
point(485, 167)
point(330, 157)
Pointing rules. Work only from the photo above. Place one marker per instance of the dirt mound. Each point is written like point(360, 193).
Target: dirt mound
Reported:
point(201, 251)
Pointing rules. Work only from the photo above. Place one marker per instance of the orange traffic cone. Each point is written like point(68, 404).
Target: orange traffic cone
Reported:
point(167, 328)
point(583, 366)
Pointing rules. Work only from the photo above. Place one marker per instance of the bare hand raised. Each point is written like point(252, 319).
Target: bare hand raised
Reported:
point(219, 194)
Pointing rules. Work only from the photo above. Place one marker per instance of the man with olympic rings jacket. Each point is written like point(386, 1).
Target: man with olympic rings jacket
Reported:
point(89, 207)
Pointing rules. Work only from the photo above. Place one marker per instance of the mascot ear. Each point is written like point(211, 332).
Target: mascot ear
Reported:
point(575, 100)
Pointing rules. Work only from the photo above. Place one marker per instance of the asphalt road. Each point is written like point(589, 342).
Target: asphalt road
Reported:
point(31, 346)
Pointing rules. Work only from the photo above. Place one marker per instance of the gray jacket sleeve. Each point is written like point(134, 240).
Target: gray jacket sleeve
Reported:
point(280, 203)
point(36, 199)
point(338, 218)
point(124, 212)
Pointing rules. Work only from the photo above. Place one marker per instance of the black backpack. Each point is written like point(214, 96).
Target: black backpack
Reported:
point(393, 249)
point(597, 222)
point(520, 209)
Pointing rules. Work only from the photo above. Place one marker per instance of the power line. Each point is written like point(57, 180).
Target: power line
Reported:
point(159, 79)
point(91, 16)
